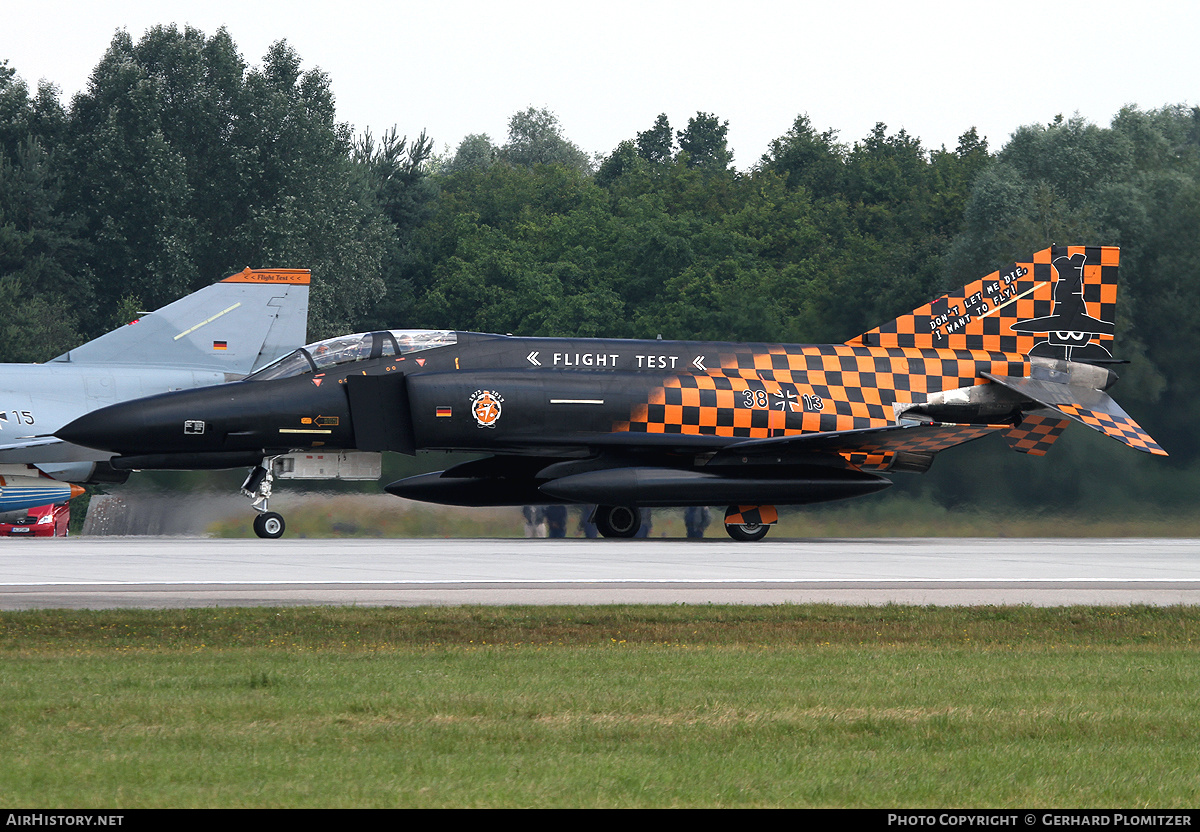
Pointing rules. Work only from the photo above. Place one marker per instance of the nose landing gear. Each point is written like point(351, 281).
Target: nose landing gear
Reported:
point(268, 524)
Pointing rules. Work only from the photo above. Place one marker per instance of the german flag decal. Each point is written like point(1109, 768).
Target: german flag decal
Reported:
point(220, 345)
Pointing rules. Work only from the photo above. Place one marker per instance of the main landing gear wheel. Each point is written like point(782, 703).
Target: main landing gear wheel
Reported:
point(748, 532)
point(618, 521)
point(269, 524)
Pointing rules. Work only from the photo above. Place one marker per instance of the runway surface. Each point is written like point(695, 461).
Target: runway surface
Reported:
point(113, 572)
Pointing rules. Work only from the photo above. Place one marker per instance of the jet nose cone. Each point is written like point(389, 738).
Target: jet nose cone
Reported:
point(114, 428)
point(181, 422)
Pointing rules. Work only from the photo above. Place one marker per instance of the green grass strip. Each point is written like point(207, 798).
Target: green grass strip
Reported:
point(601, 706)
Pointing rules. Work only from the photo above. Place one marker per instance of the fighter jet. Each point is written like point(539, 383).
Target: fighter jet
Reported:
point(625, 424)
point(218, 334)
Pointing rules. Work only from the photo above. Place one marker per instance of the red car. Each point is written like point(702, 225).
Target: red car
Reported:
point(43, 521)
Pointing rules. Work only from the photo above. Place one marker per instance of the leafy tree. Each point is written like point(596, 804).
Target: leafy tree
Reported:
point(475, 152)
point(535, 138)
point(656, 145)
point(41, 276)
point(809, 159)
point(395, 177)
point(24, 117)
point(704, 143)
point(130, 182)
point(620, 162)
point(189, 165)
point(41, 272)
point(517, 249)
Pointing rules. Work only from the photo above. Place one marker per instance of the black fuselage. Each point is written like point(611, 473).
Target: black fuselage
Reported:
point(651, 414)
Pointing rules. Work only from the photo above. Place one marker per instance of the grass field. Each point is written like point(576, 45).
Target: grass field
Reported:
point(601, 706)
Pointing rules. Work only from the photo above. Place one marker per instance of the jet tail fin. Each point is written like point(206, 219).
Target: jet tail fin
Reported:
point(1060, 303)
point(236, 325)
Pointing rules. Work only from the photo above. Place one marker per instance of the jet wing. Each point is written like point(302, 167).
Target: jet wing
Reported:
point(1093, 408)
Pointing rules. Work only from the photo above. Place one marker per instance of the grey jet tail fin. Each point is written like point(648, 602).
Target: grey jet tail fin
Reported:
point(235, 326)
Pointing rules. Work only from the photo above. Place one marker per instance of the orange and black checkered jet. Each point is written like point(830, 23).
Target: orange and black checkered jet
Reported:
point(625, 425)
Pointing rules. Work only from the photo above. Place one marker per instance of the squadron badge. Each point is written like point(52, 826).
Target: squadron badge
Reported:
point(486, 407)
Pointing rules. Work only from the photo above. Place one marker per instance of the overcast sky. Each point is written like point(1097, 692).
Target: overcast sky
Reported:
point(608, 69)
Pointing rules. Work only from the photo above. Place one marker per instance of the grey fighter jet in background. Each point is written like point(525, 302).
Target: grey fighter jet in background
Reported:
point(220, 333)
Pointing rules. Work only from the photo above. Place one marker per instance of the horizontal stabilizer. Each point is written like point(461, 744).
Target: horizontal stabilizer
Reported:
point(1093, 408)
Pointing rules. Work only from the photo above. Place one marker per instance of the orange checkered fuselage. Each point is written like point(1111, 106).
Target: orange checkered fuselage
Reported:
point(787, 390)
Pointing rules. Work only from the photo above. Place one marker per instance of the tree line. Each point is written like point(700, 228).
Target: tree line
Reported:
point(182, 163)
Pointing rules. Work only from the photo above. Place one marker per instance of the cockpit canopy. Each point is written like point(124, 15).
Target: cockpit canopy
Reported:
point(345, 349)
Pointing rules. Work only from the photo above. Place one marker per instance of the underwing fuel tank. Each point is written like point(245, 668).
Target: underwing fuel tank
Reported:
point(645, 486)
point(655, 487)
point(468, 491)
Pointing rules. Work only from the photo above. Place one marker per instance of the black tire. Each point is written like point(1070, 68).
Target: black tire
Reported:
point(269, 525)
point(749, 532)
point(618, 521)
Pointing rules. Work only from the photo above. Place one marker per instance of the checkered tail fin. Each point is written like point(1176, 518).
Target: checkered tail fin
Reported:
point(1059, 303)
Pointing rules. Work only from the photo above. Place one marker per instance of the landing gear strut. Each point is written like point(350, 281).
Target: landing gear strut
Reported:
point(268, 524)
point(617, 521)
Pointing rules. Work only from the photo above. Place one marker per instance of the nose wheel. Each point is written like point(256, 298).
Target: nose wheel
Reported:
point(268, 524)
